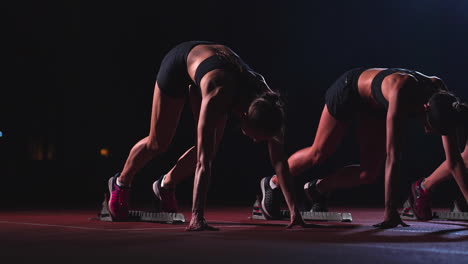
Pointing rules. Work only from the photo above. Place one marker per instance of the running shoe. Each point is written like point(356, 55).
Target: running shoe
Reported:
point(166, 196)
point(119, 199)
point(271, 199)
point(420, 201)
point(318, 200)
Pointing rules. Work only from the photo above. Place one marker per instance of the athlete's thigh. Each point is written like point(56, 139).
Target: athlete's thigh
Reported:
point(330, 132)
point(165, 115)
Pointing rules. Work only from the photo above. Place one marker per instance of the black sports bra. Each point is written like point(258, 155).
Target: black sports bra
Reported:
point(376, 86)
point(212, 63)
point(239, 68)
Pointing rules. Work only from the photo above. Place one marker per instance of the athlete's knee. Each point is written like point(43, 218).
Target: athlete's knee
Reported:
point(464, 156)
point(155, 147)
point(317, 155)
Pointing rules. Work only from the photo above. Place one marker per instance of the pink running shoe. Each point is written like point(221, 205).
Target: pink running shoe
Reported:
point(118, 201)
point(166, 196)
point(420, 200)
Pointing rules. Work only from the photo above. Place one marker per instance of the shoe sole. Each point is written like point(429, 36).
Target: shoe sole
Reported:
point(262, 186)
point(307, 194)
point(109, 184)
point(158, 195)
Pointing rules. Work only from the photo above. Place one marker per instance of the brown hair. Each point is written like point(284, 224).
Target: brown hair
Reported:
point(266, 113)
point(446, 112)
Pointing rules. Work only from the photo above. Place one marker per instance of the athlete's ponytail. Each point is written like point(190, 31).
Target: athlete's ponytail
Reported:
point(266, 113)
point(462, 112)
point(446, 112)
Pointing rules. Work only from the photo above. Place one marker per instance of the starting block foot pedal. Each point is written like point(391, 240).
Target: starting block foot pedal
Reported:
point(141, 216)
point(257, 214)
point(456, 214)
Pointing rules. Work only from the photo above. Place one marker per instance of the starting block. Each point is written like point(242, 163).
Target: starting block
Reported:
point(257, 214)
point(142, 216)
point(454, 215)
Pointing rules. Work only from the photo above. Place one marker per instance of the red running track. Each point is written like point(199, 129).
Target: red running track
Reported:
point(75, 237)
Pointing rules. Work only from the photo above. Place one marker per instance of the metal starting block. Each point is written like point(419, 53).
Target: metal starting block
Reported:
point(142, 216)
point(257, 214)
point(454, 215)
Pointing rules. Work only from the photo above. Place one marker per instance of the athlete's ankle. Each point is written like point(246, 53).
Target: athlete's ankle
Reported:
point(274, 182)
point(166, 182)
point(274, 179)
point(425, 185)
point(121, 182)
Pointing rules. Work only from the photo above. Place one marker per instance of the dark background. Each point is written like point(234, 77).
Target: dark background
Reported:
point(79, 77)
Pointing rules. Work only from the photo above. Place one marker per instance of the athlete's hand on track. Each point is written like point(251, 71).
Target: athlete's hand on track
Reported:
point(199, 224)
point(297, 221)
point(391, 222)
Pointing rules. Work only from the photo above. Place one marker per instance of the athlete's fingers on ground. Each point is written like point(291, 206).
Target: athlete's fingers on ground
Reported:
point(211, 228)
point(296, 222)
point(383, 225)
point(390, 224)
point(403, 224)
point(303, 225)
point(201, 228)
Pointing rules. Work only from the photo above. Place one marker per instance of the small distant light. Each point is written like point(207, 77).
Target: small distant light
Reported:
point(104, 152)
point(1, 134)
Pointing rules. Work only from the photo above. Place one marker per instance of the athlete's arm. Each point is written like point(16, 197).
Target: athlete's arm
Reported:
point(216, 98)
point(396, 124)
point(279, 162)
point(455, 163)
point(443, 173)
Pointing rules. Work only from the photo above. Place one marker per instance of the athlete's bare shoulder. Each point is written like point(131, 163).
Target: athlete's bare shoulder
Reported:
point(366, 78)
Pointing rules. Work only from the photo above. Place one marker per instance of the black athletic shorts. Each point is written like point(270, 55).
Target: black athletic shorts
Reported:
point(173, 79)
point(342, 98)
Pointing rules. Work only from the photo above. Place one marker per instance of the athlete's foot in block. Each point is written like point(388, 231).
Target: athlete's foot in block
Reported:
point(420, 201)
point(271, 198)
point(319, 207)
point(317, 199)
point(167, 197)
point(199, 224)
point(118, 200)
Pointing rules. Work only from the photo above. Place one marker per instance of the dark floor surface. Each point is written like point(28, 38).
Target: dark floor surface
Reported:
point(74, 236)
